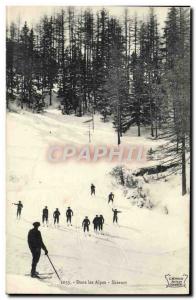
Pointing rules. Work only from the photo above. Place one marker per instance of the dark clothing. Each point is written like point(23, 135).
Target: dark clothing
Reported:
point(68, 219)
point(45, 215)
point(35, 244)
point(35, 259)
point(110, 197)
point(35, 239)
point(95, 222)
point(56, 213)
point(56, 216)
point(45, 212)
point(115, 219)
point(20, 206)
point(69, 214)
point(18, 213)
point(115, 216)
point(44, 219)
point(86, 228)
point(86, 224)
point(19, 209)
point(100, 222)
point(56, 220)
point(92, 189)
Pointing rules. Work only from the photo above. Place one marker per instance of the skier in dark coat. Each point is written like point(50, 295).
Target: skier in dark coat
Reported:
point(92, 189)
point(35, 244)
point(69, 214)
point(101, 222)
point(19, 209)
point(111, 197)
point(86, 224)
point(96, 222)
point(56, 215)
point(115, 216)
point(45, 215)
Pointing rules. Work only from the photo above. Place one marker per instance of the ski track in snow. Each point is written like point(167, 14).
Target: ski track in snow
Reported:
point(145, 245)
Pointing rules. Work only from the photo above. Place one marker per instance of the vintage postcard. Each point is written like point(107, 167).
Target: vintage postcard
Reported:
point(98, 117)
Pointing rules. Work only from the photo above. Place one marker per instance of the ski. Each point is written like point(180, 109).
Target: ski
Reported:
point(40, 276)
point(43, 277)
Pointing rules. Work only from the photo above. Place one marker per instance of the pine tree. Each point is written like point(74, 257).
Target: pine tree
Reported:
point(137, 66)
point(101, 63)
point(177, 87)
point(116, 84)
point(11, 38)
point(48, 56)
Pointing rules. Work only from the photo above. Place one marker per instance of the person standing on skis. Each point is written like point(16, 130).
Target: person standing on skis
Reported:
point(45, 215)
point(96, 222)
point(92, 189)
point(69, 214)
point(101, 222)
point(110, 197)
point(19, 209)
point(35, 244)
point(86, 224)
point(56, 215)
point(115, 215)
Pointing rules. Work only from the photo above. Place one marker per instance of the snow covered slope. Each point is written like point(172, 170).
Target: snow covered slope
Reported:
point(136, 254)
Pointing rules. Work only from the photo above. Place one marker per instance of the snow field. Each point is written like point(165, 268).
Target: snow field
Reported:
point(142, 249)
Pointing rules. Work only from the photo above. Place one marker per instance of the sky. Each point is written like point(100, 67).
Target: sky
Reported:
point(32, 14)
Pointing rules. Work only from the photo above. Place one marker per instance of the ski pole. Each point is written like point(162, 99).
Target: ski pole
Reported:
point(53, 267)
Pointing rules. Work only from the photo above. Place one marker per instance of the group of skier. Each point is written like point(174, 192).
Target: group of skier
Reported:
point(115, 211)
point(98, 221)
point(56, 215)
point(34, 236)
point(110, 196)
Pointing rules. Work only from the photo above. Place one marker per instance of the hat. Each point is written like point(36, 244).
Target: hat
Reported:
point(36, 224)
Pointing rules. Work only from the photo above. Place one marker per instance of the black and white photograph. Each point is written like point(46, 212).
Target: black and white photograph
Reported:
point(98, 149)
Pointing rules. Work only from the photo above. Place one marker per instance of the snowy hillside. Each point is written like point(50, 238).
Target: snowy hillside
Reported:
point(137, 253)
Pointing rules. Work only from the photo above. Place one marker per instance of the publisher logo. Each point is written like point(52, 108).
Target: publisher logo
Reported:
point(176, 281)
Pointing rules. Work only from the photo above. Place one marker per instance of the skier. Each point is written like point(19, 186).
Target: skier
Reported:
point(69, 214)
point(35, 244)
point(19, 209)
point(115, 216)
point(92, 189)
point(86, 224)
point(111, 197)
point(101, 221)
point(56, 215)
point(96, 222)
point(45, 215)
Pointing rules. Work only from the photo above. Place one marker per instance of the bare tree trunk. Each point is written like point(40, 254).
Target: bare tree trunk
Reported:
point(50, 96)
point(138, 129)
